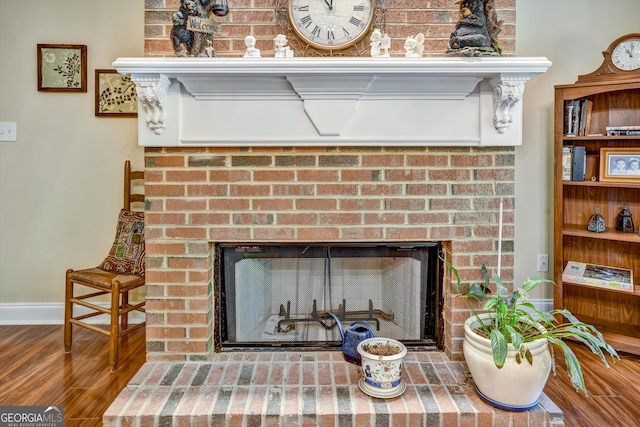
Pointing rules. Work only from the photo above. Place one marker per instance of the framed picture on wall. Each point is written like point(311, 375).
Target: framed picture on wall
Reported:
point(115, 95)
point(620, 164)
point(62, 67)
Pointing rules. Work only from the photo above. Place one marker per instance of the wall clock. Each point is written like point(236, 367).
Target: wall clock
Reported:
point(621, 60)
point(329, 27)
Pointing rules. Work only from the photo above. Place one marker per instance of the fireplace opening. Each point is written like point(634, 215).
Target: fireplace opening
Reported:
point(278, 295)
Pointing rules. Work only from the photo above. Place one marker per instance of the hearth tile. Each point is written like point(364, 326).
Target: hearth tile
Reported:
point(325, 376)
point(157, 374)
point(265, 357)
point(276, 374)
point(231, 372)
point(343, 398)
point(340, 374)
point(221, 407)
point(292, 374)
point(185, 377)
point(171, 374)
point(443, 372)
point(142, 374)
point(246, 373)
point(165, 419)
point(187, 405)
point(238, 405)
point(291, 405)
point(413, 374)
point(201, 375)
point(250, 357)
point(155, 402)
point(260, 374)
point(430, 373)
point(382, 417)
point(255, 406)
point(326, 405)
point(309, 373)
point(274, 400)
point(215, 374)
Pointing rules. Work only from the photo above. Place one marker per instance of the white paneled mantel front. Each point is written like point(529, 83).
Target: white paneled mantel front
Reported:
point(447, 101)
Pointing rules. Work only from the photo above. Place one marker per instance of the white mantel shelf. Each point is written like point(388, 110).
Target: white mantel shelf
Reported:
point(447, 101)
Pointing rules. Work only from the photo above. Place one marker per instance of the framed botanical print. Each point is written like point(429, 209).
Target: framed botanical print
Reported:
point(115, 95)
point(62, 67)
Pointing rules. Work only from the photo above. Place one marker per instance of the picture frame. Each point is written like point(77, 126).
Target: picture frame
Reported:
point(620, 164)
point(115, 94)
point(62, 67)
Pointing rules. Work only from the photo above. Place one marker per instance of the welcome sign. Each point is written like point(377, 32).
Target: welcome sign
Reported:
point(203, 25)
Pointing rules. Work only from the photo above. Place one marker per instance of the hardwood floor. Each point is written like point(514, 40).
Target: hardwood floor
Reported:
point(35, 371)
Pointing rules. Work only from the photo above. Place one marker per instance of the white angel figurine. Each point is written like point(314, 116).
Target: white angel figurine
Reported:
point(414, 46)
point(251, 51)
point(282, 50)
point(379, 45)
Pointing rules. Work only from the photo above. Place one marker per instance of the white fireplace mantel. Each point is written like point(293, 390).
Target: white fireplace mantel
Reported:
point(330, 101)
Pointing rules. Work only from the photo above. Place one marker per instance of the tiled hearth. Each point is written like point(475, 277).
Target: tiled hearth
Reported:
point(307, 388)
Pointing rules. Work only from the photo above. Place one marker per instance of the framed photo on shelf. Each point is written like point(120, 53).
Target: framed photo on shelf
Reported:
point(62, 67)
point(620, 164)
point(115, 95)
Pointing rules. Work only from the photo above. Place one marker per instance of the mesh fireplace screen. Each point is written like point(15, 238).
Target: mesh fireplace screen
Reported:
point(278, 295)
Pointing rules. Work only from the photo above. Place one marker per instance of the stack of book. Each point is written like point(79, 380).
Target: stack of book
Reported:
point(577, 117)
point(623, 130)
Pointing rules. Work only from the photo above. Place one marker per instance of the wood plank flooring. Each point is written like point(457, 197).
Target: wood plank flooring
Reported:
point(35, 371)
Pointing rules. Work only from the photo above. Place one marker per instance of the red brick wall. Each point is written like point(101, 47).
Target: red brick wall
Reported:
point(434, 18)
point(198, 196)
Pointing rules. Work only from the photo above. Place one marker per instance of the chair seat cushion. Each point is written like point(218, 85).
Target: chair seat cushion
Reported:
point(127, 254)
point(99, 277)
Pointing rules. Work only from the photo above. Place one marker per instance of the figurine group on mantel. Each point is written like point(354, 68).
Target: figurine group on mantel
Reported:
point(475, 33)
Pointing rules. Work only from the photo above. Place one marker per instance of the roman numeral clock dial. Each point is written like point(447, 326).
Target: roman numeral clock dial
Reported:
point(331, 24)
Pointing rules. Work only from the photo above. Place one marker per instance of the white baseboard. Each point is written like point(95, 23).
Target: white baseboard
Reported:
point(542, 304)
point(51, 314)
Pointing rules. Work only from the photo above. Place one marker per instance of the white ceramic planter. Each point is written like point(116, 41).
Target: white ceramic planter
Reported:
point(382, 374)
point(514, 386)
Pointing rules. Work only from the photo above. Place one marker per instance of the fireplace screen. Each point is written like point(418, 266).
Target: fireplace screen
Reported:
point(279, 295)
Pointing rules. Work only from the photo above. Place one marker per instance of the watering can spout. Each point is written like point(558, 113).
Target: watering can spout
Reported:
point(352, 336)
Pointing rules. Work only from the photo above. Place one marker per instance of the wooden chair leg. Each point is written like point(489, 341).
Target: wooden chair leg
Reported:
point(124, 321)
point(68, 313)
point(114, 336)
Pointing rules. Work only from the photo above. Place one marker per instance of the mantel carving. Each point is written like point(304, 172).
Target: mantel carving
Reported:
point(330, 101)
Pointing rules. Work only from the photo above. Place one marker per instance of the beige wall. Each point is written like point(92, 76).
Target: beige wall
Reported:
point(60, 183)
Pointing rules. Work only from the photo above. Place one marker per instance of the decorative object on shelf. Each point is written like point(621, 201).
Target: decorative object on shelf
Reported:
point(414, 46)
point(193, 27)
point(476, 33)
point(620, 164)
point(625, 223)
point(382, 367)
point(621, 60)
point(62, 67)
point(329, 27)
point(115, 95)
point(282, 50)
point(379, 44)
point(251, 51)
point(596, 223)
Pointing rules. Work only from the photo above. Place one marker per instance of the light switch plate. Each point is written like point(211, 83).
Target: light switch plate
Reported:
point(8, 131)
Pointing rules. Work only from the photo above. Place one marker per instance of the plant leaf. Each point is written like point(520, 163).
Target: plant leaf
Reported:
point(498, 347)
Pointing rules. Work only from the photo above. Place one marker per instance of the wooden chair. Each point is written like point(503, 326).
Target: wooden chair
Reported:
point(105, 282)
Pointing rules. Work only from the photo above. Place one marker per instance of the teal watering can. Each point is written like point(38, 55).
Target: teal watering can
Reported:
point(352, 336)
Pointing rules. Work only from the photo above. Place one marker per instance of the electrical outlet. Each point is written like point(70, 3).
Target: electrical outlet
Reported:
point(543, 263)
point(8, 131)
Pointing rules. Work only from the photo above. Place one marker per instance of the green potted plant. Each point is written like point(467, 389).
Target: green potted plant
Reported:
point(508, 343)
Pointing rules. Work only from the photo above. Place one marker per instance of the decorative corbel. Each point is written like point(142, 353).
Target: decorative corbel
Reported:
point(507, 91)
point(152, 94)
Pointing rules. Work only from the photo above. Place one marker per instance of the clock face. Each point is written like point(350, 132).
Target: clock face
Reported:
point(331, 24)
point(626, 55)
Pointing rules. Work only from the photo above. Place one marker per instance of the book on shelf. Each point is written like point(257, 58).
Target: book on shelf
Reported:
point(600, 276)
point(578, 162)
point(567, 160)
point(577, 116)
point(622, 130)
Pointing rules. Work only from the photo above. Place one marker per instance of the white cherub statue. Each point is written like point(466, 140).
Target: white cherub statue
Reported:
point(282, 50)
point(414, 46)
point(379, 45)
point(251, 51)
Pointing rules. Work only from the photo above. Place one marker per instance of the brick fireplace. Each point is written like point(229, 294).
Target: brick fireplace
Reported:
point(290, 151)
point(316, 150)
